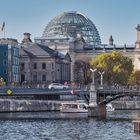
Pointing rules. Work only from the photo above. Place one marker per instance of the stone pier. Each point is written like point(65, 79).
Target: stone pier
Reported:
point(95, 110)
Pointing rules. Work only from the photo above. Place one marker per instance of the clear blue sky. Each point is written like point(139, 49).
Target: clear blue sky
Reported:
point(111, 17)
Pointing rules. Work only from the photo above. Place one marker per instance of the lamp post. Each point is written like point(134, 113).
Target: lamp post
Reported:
point(101, 79)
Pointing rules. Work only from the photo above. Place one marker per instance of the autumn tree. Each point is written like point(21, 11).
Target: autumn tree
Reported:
point(117, 68)
point(82, 73)
point(134, 78)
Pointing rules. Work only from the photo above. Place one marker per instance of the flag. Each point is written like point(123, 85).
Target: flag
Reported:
point(3, 26)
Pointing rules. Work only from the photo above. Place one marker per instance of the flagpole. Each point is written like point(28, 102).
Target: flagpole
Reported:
point(4, 31)
point(3, 28)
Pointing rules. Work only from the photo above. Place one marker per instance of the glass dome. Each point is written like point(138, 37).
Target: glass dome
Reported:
point(71, 25)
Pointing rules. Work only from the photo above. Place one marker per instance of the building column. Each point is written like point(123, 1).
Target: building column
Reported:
point(137, 44)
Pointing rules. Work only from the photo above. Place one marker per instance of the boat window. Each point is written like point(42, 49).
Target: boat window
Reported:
point(81, 106)
point(69, 105)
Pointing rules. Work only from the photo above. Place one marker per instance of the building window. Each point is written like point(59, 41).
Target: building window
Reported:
point(43, 77)
point(14, 51)
point(12, 69)
point(34, 77)
point(43, 65)
point(52, 66)
point(22, 66)
point(35, 66)
point(4, 63)
point(5, 53)
point(5, 71)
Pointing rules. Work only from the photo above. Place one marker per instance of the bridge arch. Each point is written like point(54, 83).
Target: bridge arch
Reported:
point(109, 99)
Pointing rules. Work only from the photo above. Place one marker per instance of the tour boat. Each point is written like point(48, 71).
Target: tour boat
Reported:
point(74, 107)
point(79, 107)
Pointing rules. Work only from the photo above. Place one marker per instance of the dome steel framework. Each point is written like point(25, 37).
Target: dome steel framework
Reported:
point(72, 24)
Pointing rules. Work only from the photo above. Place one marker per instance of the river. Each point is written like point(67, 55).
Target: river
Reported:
point(57, 126)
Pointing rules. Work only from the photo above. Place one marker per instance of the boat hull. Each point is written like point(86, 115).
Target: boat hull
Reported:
point(72, 110)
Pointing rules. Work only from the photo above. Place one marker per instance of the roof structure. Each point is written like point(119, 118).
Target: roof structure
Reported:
point(72, 25)
point(38, 50)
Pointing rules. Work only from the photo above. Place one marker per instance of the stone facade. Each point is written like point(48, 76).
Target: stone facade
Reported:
point(61, 35)
point(78, 51)
point(41, 65)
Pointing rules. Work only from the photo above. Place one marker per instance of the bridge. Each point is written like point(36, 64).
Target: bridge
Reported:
point(104, 95)
point(43, 93)
point(97, 97)
point(107, 94)
point(110, 94)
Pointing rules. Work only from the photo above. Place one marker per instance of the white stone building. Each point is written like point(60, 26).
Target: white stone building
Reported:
point(68, 39)
point(75, 34)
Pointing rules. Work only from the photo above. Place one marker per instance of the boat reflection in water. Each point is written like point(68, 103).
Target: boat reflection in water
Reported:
point(79, 106)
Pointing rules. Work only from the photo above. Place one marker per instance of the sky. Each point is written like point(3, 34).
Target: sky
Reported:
point(111, 17)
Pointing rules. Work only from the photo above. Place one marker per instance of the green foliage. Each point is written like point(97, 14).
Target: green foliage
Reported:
point(2, 82)
point(134, 78)
point(117, 67)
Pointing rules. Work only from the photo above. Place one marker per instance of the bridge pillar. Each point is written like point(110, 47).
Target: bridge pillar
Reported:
point(95, 110)
point(92, 95)
point(102, 108)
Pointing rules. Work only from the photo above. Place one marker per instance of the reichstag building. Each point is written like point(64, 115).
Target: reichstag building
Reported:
point(68, 40)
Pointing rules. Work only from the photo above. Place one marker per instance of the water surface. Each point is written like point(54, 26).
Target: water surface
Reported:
point(58, 126)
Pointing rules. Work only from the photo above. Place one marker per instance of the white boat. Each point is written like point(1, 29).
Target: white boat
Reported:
point(74, 107)
point(109, 107)
point(79, 107)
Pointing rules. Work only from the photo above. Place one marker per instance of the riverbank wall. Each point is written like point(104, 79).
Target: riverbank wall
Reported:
point(13, 105)
point(8, 105)
point(126, 105)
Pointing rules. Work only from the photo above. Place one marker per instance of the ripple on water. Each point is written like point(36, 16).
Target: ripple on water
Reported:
point(113, 128)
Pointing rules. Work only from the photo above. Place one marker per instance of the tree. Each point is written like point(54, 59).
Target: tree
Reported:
point(134, 78)
point(2, 82)
point(82, 72)
point(117, 67)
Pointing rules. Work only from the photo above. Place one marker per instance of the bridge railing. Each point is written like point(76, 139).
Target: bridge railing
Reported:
point(3, 90)
point(113, 87)
point(121, 93)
